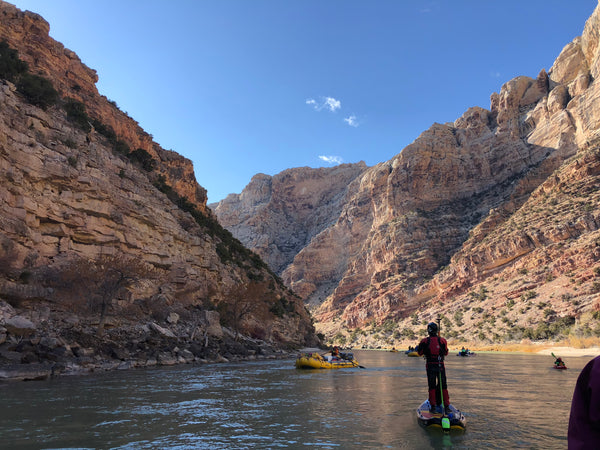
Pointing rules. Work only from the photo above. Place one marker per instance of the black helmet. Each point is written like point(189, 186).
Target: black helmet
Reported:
point(432, 329)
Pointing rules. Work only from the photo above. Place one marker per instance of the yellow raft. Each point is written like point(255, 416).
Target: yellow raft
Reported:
point(316, 361)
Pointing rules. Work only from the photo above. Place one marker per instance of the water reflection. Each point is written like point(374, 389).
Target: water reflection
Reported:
point(511, 401)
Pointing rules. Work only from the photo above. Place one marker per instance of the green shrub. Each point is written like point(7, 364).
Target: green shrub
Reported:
point(458, 318)
point(105, 130)
point(37, 90)
point(121, 147)
point(408, 332)
point(144, 158)
point(414, 319)
point(282, 307)
point(76, 113)
point(339, 338)
point(11, 67)
point(528, 295)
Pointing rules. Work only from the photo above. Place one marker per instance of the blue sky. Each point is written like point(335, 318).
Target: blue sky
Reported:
point(242, 87)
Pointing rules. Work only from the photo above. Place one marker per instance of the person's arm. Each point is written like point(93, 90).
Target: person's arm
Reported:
point(593, 389)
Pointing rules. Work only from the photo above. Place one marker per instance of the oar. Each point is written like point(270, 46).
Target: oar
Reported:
point(445, 419)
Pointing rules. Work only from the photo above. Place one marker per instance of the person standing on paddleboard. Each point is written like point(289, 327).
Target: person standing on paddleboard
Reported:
point(435, 348)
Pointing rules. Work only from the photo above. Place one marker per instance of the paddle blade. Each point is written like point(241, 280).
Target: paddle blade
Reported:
point(445, 424)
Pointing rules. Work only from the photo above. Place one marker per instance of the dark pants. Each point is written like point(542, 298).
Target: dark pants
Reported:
point(433, 378)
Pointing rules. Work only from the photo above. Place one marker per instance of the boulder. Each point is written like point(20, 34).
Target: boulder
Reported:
point(212, 324)
point(19, 326)
point(162, 331)
point(25, 372)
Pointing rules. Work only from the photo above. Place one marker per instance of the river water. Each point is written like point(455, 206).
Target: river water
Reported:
point(510, 401)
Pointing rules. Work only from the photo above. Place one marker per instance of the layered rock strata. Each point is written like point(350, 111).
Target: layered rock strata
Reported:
point(68, 198)
point(434, 222)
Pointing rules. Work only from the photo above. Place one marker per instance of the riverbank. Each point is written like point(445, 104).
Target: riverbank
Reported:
point(586, 347)
point(80, 351)
point(542, 348)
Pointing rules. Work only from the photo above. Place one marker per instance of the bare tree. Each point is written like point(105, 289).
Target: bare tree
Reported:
point(104, 279)
point(242, 301)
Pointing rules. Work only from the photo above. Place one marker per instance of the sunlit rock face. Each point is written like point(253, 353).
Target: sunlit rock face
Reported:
point(66, 194)
point(465, 204)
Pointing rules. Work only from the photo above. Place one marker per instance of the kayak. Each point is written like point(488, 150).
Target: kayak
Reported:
point(469, 353)
point(560, 367)
point(457, 420)
point(316, 361)
point(412, 354)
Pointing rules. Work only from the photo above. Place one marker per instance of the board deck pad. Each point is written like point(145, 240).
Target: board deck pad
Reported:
point(429, 419)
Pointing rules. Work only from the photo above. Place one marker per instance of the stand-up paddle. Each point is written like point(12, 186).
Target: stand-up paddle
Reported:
point(445, 419)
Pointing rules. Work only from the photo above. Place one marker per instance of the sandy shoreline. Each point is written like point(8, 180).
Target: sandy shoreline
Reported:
point(514, 348)
point(571, 351)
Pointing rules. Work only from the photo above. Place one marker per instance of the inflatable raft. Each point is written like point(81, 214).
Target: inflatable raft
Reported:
point(457, 420)
point(412, 354)
point(316, 361)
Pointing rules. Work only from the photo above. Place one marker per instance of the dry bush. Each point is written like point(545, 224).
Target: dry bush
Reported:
point(93, 285)
point(245, 301)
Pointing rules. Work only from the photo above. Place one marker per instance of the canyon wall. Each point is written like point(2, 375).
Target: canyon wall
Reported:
point(69, 198)
point(444, 220)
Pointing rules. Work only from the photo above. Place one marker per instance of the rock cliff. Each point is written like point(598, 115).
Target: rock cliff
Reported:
point(457, 219)
point(83, 215)
point(279, 216)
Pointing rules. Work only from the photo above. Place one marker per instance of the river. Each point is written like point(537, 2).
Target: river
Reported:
point(510, 401)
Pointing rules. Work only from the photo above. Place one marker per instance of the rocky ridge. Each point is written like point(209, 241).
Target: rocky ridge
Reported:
point(470, 209)
point(75, 213)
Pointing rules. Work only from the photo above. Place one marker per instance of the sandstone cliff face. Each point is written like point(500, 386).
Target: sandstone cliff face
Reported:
point(278, 216)
point(66, 195)
point(439, 221)
point(27, 32)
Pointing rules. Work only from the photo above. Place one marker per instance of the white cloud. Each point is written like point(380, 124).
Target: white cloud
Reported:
point(328, 103)
point(332, 104)
point(331, 159)
point(351, 121)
